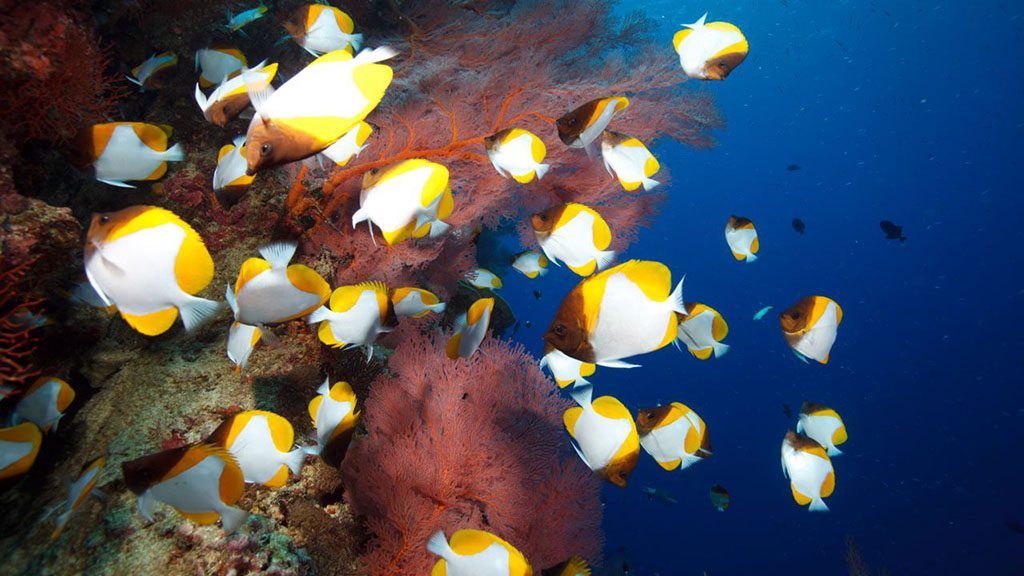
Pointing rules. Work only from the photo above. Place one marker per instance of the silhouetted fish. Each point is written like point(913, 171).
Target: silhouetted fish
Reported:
point(787, 410)
point(793, 167)
point(536, 294)
point(1015, 526)
point(892, 231)
point(799, 225)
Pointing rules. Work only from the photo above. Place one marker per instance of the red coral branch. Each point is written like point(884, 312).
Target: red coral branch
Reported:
point(18, 329)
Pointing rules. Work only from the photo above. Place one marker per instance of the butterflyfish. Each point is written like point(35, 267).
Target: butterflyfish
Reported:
point(242, 339)
point(484, 279)
point(574, 234)
point(674, 435)
point(270, 291)
point(79, 491)
point(741, 236)
point(517, 153)
point(719, 497)
point(823, 425)
point(229, 178)
point(626, 158)
point(44, 403)
point(415, 302)
point(710, 50)
point(476, 553)
point(618, 313)
point(605, 434)
point(19, 446)
point(261, 443)
point(149, 263)
point(574, 566)
point(202, 482)
point(218, 63)
point(410, 198)
point(150, 74)
point(810, 327)
point(702, 331)
point(892, 231)
point(311, 112)
point(565, 369)
point(531, 264)
point(355, 316)
point(319, 29)
point(231, 97)
point(582, 127)
point(120, 152)
point(334, 416)
point(470, 330)
point(809, 470)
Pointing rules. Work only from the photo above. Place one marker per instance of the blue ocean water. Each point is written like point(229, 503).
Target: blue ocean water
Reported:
point(894, 111)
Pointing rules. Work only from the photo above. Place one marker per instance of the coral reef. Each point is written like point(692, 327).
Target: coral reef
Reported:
point(18, 332)
point(475, 444)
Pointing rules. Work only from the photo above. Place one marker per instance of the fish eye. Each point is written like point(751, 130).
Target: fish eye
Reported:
point(104, 219)
point(560, 329)
point(374, 170)
point(795, 315)
point(265, 149)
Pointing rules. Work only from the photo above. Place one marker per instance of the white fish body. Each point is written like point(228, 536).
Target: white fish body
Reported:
point(76, 492)
point(350, 145)
point(471, 328)
point(817, 342)
point(242, 338)
point(216, 65)
point(258, 456)
point(326, 36)
point(515, 158)
point(359, 325)
point(270, 297)
point(231, 166)
point(11, 452)
point(807, 473)
point(412, 305)
point(329, 414)
point(821, 428)
point(598, 437)
point(491, 561)
point(701, 45)
point(697, 333)
point(628, 163)
point(40, 406)
point(126, 157)
point(531, 264)
point(665, 444)
point(194, 491)
point(151, 66)
point(629, 323)
point(395, 202)
point(564, 368)
point(740, 242)
point(573, 244)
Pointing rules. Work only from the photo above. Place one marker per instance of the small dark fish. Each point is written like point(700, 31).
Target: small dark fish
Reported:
point(787, 410)
point(536, 294)
point(1015, 526)
point(529, 324)
point(799, 225)
point(892, 231)
point(660, 495)
point(793, 167)
point(719, 497)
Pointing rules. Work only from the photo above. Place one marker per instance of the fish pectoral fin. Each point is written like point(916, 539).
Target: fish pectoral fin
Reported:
point(582, 457)
point(617, 364)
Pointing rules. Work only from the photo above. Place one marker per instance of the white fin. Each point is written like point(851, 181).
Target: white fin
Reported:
point(229, 295)
point(541, 170)
point(818, 505)
point(369, 353)
point(580, 452)
point(232, 518)
point(259, 91)
point(583, 394)
point(438, 545)
point(359, 216)
point(607, 166)
point(312, 450)
point(617, 364)
point(118, 183)
point(650, 184)
point(294, 459)
point(593, 148)
point(195, 311)
point(833, 451)
point(604, 259)
point(201, 99)
point(720, 349)
point(800, 427)
point(133, 81)
point(370, 56)
point(321, 314)
point(145, 503)
point(356, 40)
point(438, 228)
point(239, 141)
point(279, 254)
point(324, 388)
point(676, 298)
point(698, 23)
point(751, 258)
point(173, 154)
point(438, 308)
point(424, 218)
point(801, 357)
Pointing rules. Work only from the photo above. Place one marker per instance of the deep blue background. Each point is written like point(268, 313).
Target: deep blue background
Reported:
point(907, 112)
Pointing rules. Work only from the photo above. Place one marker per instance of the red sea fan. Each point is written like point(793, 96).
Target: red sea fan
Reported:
point(18, 329)
point(477, 444)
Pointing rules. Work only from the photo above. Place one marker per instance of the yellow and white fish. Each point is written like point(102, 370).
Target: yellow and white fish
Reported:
point(470, 330)
point(710, 51)
point(484, 279)
point(702, 330)
point(320, 29)
point(230, 97)
point(741, 236)
point(531, 264)
point(582, 128)
point(229, 178)
point(355, 316)
point(810, 327)
point(270, 291)
point(605, 434)
point(79, 491)
point(44, 403)
point(19, 446)
point(334, 416)
point(674, 435)
point(410, 198)
point(619, 313)
point(823, 425)
point(148, 75)
point(629, 160)
point(476, 553)
point(518, 153)
point(415, 302)
point(242, 339)
point(149, 263)
point(201, 481)
point(314, 109)
point(218, 63)
point(120, 152)
point(574, 234)
point(809, 470)
point(261, 443)
point(566, 369)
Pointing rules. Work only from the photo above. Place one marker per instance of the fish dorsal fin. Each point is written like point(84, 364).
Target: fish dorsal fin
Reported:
point(699, 23)
point(260, 90)
point(680, 36)
point(399, 294)
point(654, 278)
point(477, 310)
point(278, 254)
point(151, 135)
point(345, 297)
point(610, 407)
point(250, 269)
point(342, 392)
point(223, 151)
point(470, 542)
point(308, 280)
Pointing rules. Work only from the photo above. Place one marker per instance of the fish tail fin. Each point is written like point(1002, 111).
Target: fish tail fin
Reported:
point(319, 315)
point(751, 258)
point(359, 216)
point(378, 54)
point(437, 308)
point(833, 451)
point(196, 311)
point(356, 40)
point(173, 154)
point(605, 259)
point(279, 254)
point(676, 298)
point(582, 393)
point(541, 170)
point(325, 388)
point(818, 505)
point(698, 23)
point(232, 518)
point(650, 183)
point(294, 459)
point(720, 349)
point(438, 228)
point(229, 295)
point(201, 99)
point(312, 450)
point(438, 545)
